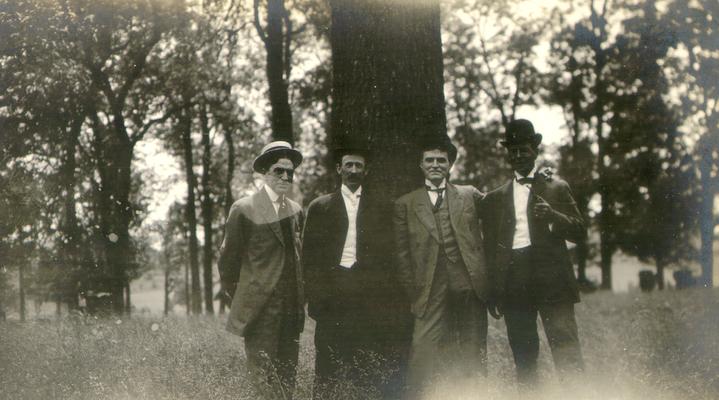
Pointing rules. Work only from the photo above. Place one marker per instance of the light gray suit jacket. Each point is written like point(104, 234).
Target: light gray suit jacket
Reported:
point(418, 242)
point(252, 257)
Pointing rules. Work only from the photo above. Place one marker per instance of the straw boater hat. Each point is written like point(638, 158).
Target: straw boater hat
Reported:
point(271, 150)
point(521, 131)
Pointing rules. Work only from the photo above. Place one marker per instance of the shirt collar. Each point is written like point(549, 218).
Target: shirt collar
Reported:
point(274, 197)
point(517, 175)
point(346, 192)
point(430, 185)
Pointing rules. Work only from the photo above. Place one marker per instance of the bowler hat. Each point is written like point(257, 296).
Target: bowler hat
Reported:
point(521, 131)
point(274, 151)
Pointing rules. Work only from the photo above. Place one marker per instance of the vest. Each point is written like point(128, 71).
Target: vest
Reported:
point(456, 270)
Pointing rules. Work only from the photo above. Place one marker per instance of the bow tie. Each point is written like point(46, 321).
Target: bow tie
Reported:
point(525, 180)
point(436, 190)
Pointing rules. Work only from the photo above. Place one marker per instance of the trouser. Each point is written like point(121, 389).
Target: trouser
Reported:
point(450, 338)
point(520, 316)
point(272, 347)
point(341, 341)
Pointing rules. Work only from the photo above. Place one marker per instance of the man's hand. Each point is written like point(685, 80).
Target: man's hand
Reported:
point(226, 294)
point(495, 310)
point(542, 210)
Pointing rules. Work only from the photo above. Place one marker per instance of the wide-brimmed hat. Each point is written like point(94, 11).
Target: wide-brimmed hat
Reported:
point(521, 131)
point(271, 151)
point(439, 142)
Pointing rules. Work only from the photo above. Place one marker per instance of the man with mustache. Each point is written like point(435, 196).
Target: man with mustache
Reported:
point(346, 272)
point(260, 271)
point(441, 265)
point(526, 223)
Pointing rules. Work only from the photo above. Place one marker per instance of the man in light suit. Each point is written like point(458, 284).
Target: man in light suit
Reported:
point(441, 265)
point(526, 223)
point(260, 270)
point(351, 291)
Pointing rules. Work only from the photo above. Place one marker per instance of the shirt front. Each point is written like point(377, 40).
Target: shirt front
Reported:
point(521, 198)
point(349, 250)
point(433, 194)
point(274, 199)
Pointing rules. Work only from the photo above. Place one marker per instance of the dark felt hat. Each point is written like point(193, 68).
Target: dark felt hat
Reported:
point(521, 131)
point(441, 143)
point(340, 152)
point(273, 151)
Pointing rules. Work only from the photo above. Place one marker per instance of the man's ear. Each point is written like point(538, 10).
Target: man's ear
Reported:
point(338, 168)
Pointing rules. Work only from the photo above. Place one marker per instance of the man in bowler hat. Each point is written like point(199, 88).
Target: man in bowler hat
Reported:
point(442, 267)
point(526, 223)
point(260, 270)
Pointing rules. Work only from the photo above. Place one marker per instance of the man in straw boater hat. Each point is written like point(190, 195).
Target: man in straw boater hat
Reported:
point(441, 265)
point(526, 223)
point(260, 270)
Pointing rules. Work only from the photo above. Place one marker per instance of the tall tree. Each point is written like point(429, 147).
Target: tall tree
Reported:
point(277, 38)
point(387, 96)
point(117, 48)
point(696, 71)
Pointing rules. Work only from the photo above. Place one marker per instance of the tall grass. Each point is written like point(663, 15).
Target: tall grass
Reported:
point(636, 346)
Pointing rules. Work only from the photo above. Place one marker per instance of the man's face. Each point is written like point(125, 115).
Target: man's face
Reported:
point(521, 157)
point(435, 165)
point(352, 169)
point(279, 176)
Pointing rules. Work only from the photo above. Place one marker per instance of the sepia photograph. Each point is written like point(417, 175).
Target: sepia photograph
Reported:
point(359, 199)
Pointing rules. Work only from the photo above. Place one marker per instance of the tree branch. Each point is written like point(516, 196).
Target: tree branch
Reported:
point(258, 26)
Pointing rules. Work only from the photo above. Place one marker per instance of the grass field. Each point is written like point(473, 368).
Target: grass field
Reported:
point(636, 346)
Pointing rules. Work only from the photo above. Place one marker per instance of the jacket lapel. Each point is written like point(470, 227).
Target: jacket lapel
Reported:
point(507, 219)
point(340, 216)
point(455, 203)
point(423, 209)
point(267, 211)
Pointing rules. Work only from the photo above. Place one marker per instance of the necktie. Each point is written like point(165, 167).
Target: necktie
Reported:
point(439, 191)
point(283, 213)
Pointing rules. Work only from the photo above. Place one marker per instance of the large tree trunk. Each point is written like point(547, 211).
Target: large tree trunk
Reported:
point(277, 37)
point(388, 86)
point(207, 211)
point(387, 96)
point(185, 126)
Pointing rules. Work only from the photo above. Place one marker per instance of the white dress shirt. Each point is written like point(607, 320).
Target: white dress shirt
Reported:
point(521, 198)
point(349, 251)
point(432, 194)
point(274, 199)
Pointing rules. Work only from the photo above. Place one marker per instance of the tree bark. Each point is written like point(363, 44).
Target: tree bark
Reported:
point(276, 37)
point(388, 86)
point(185, 126)
point(207, 206)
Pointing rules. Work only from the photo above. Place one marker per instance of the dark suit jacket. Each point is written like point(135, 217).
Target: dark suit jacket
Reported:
point(553, 274)
point(322, 243)
point(252, 257)
point(418, 243)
